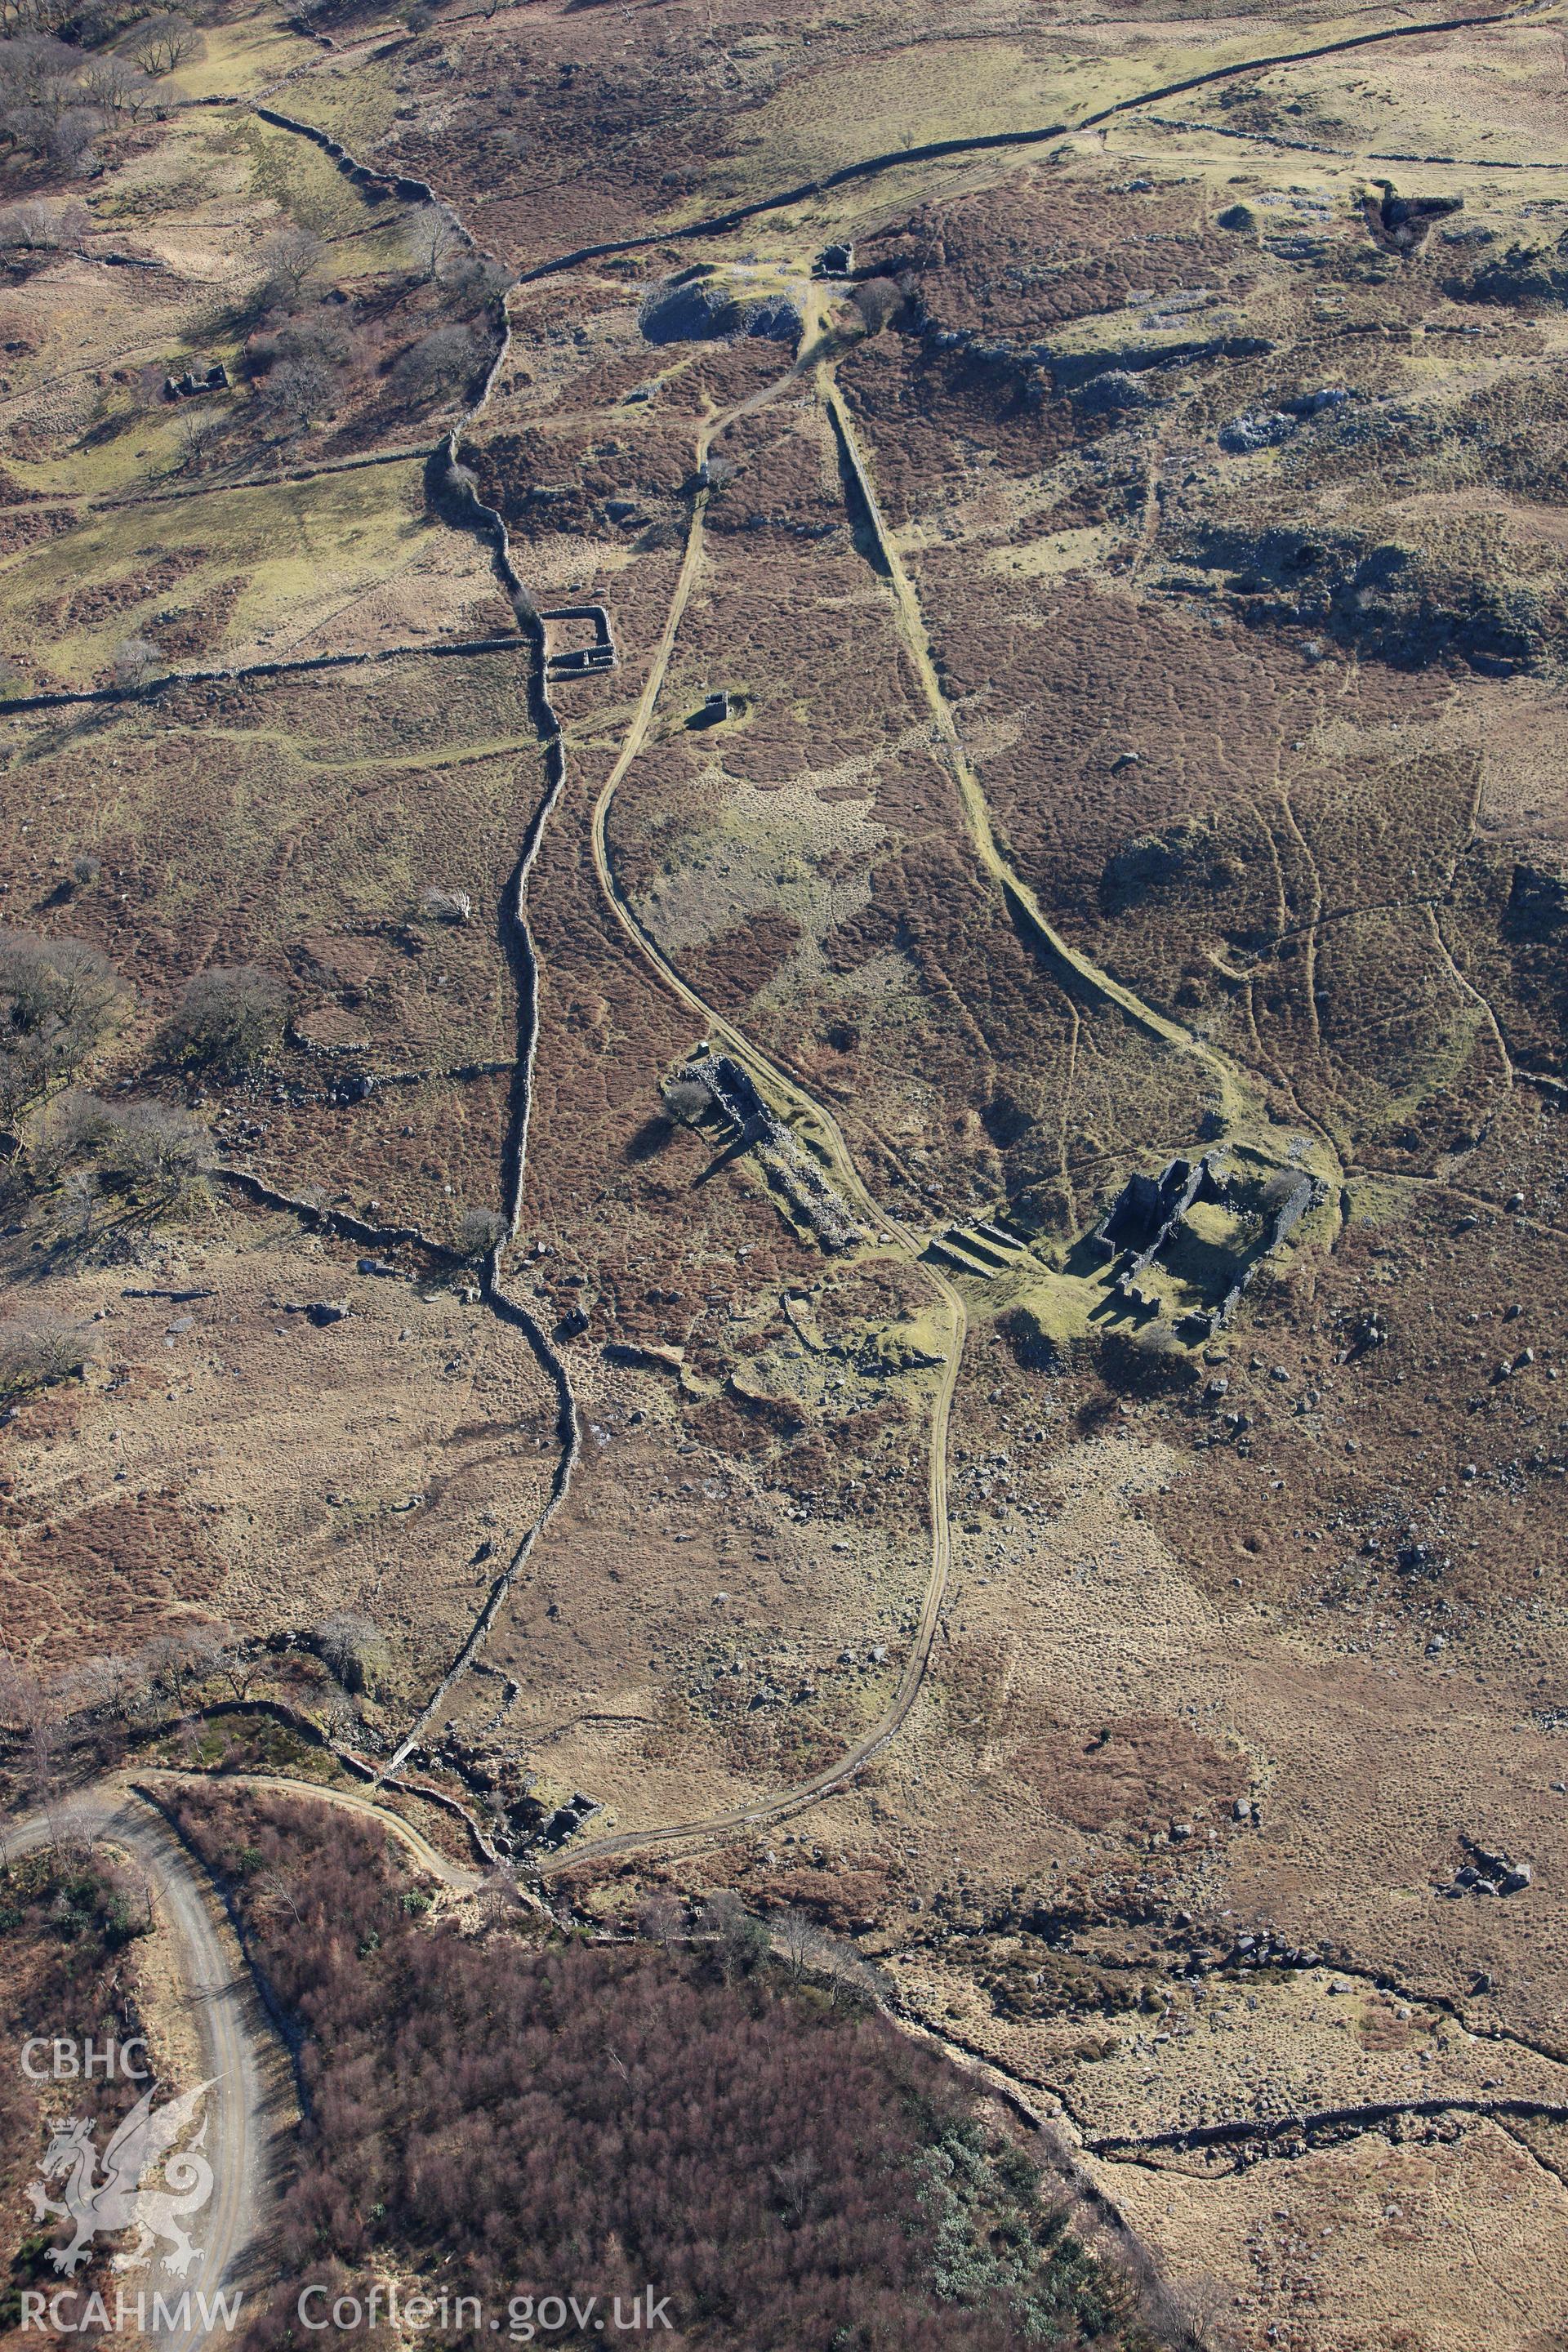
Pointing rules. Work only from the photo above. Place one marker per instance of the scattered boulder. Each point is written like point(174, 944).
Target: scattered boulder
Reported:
point(1263, 429)
point(1117, 388)
point(687, 310)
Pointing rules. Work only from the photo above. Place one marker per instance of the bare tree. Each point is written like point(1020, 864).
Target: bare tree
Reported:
point(879, 301)
point(275, 1892)
point(291, 258)
point(116, 86)
point(742, 1941)
point(353, 1649)
point(135, 660)
point(38, 1350)
point(42, 228)
point(475, 279)
point(32, 1707)
point(438, 905)
point(687, 1099)
point(662, 1919)
point(200, 430)
point(157, 1156)
point(71, 135)
point(226, 1656)
point(161, 43)
point(298, 390)
point(114, 1683)
point(59, 1000)
point(172, 1660)
point(794, 2179)
point(229, 1022)
point(437, 363)
point(434, 239)
point(797, 1937)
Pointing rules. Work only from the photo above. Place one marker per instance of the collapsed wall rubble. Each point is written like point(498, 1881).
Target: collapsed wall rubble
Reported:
point(759, 1130)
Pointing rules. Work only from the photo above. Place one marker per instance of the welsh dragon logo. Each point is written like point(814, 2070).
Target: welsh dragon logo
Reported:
point(101, 2204)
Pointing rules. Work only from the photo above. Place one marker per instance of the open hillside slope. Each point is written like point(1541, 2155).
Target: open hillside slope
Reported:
point(784, 1044)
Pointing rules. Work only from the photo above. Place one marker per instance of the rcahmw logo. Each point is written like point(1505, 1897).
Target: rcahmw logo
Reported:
point(68, 2313)
point(103, 2197)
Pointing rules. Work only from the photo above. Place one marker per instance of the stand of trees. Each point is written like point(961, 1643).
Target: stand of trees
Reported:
point(511, 2113)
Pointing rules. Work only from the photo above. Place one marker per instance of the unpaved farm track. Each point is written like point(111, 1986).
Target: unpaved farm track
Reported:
point(784, 1087)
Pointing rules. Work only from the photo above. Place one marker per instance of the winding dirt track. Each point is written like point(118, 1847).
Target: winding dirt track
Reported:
point(241, 2108)
point(814, 1118)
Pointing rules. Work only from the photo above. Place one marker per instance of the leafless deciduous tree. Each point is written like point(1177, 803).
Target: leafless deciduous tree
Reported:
point(71, 135)
point(438, 905)
point(662, 1919)
point(434, 239)
point(298, 390)
point(47, 107)
point(160, 43)
point(228, 1021)
point(38, 1350)
point(157, 1156)
point(31, 1707)
point(136, 660)
point(116, 86)
point(796, 1936)
point(291, 258)
point(59, 1000)
point(740, 1941)
point(474, 278)
point(687, 1099)
point(353, 1648)
point(200, 432)
point(116, 1685)
point(879, 301)
point(437, 363)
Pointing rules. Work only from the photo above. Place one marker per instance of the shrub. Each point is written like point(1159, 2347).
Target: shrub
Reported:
point(438, 905)
point(437, 363)
point(37, 1351)
point(479, 1231)
point(228, 1021)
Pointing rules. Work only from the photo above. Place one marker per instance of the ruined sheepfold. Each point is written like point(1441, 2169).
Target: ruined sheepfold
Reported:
point(1150, 1211)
